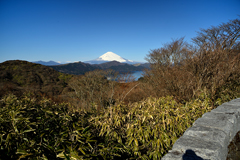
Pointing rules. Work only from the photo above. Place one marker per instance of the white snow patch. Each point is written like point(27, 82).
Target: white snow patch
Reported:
point(110, 56)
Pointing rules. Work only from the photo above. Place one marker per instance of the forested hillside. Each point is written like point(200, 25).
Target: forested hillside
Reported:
point(80, 68)
point(77, 68)
point(21, 76)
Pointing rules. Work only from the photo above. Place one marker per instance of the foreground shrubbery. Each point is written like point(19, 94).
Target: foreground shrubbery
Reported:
point(33, 129)
point(41, 129)
point(148, 129)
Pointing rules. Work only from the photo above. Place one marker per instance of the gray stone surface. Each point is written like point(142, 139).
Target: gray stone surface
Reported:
point(221, 124)
point(210, 135)
point(234, 102)
point(203, 149)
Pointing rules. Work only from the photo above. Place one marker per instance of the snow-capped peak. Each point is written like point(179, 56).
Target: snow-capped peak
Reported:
point(110, 56)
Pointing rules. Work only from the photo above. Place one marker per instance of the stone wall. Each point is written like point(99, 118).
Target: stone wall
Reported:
point(210, 135)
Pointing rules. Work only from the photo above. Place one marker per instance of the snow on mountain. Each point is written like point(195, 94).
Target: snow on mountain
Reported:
point(109, 56)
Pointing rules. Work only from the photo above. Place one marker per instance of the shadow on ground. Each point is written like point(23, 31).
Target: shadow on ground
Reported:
point(191, 155)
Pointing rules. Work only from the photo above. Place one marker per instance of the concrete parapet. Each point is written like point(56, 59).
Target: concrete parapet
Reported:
point(210, 135)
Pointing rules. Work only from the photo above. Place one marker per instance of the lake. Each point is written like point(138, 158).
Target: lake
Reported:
point(134, 75)
point(137, 74)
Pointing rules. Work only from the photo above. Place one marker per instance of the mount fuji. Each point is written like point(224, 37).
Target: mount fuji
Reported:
point(110, 56)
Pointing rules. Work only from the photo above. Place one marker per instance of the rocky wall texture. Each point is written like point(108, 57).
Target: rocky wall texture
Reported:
point(210, 135)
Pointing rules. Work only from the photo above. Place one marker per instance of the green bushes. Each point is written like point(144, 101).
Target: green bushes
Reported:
point(33, 129)
point(41, 129)
point(147, 129)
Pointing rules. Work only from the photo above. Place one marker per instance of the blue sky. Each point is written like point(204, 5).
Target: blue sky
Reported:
point(81, 30)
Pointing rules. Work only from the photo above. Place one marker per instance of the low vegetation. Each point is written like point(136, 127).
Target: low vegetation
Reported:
point(42, 129)
point(93, 117)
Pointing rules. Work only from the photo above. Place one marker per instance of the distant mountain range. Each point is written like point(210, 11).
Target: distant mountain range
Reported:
point(107, 57)
point(108, 60)
point(79, 68)
point(49, 63)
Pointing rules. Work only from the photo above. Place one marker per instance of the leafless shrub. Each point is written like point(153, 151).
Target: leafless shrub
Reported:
point(213, 64)
point(94, 89)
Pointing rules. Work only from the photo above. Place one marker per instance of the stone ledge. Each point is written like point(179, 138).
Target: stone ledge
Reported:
point(210, 135)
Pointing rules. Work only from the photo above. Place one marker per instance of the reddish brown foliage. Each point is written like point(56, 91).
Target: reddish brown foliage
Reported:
point(213, 65)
